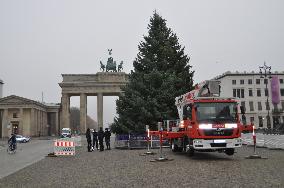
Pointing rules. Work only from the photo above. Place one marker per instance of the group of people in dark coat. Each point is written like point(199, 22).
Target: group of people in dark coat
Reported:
point(98, 139)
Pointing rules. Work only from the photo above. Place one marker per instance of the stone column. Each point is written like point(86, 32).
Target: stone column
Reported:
point(5, 122)
point(37, 123)
point(21, 123)
point(65, 111)
point(33, 123)
point(100, 109)
point(83, 113)
point(57, 131)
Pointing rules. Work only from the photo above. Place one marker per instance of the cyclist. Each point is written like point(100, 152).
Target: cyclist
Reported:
point(12, 142)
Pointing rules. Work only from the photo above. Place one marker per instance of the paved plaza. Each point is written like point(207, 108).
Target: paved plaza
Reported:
point(126, 168)
point(26, 154)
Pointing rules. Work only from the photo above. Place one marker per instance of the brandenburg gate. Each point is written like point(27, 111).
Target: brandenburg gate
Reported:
point(83, 85)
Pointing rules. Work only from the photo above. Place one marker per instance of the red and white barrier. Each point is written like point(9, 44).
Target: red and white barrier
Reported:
point(62, 147)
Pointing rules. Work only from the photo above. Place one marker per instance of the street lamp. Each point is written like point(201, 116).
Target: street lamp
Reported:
point(265, 72)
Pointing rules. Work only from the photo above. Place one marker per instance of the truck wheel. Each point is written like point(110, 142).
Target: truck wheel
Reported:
point(180, 149)
point(190, 151)
point(230, 151)
point(174, 147)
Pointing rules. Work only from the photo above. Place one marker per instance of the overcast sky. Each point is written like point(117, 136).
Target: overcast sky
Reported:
point(40, 40)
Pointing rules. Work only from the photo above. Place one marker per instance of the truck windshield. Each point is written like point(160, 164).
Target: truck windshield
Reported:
point(216, 112)
point(65, 131)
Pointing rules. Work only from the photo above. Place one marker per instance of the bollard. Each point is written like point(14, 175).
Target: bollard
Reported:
point(148, 143)
point(162, 158)
point(128, 144)
point(161, 146)
point(255, 155)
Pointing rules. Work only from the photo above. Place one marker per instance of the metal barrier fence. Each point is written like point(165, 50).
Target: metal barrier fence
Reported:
point(264, 140)
point(137, 141)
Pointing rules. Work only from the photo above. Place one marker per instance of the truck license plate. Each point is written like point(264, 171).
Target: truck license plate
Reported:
point(219, 141)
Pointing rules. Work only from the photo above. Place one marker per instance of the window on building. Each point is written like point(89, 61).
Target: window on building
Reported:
point(242, 93)
point(234, 82)
point(260, 121)
point(250, 92)
point(267, 106)
point(282, 92)
point(251, 119)
point(15, 115)
point(251, 106)
point(250, 81)
point(281, 81)
point(259, 106)
point(242, 82)
point(243, 103)
point(239, 93)
point(265, 81)
point(266, 92)
point(257, 81)
point(276, 120)
point(268, 122)
point(258, 92)
point(282, 104)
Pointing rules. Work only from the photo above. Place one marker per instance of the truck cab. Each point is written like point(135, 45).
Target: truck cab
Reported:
point(208, 122)
point(212, 124)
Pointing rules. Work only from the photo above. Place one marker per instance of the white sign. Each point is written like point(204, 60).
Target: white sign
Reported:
point(147, 127)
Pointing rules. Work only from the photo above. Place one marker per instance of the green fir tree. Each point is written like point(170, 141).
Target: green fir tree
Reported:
point(161, 73)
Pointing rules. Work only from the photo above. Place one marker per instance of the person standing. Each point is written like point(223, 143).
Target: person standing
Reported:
point(107, 138)
point(95, 139)
point(12, 142)
point(89, 139)
point(101, 135)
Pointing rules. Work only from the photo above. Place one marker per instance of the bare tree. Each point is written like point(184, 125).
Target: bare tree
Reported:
point(75, 120)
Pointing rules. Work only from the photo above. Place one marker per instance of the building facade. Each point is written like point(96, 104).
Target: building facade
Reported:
point(250, 89)
point(27, 117)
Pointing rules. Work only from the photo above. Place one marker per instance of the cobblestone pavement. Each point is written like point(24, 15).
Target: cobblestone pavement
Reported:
point(126, 168)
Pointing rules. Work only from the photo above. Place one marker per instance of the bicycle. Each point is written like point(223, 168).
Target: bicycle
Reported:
point(11, 148)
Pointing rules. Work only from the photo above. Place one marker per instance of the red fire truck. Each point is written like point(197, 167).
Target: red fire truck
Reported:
point(207, 123)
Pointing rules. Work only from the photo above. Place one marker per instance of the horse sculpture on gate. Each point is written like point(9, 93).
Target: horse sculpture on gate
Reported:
point(119, 67)
point(111, 64)
point(102, 66)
